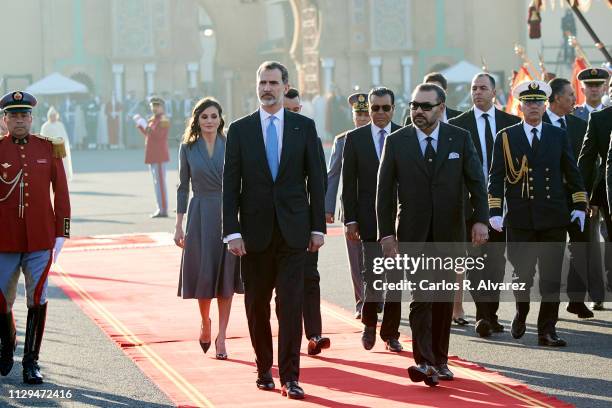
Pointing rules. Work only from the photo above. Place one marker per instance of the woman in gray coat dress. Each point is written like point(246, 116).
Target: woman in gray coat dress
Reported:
point(207, 270)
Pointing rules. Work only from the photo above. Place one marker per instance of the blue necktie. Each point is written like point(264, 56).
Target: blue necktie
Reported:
point(272, 148)
point(381, 141)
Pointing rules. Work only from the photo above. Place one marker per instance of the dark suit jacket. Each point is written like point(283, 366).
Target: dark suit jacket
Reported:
point(467, 121)
point(576, 129)
point(359, 169)
point(421, 197)
point(295, 199)
point(553, 174)
point(596, 142)
point(450, 113)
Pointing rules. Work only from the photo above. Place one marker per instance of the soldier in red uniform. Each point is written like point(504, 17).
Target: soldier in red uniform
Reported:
point(33, 226)
point(156, 152)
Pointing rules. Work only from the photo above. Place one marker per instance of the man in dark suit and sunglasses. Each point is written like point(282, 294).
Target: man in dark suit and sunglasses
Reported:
point(429, 163)
point(361, 158)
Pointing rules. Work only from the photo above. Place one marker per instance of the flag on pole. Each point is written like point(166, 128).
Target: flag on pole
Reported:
point(579, 65)
point(522, 75)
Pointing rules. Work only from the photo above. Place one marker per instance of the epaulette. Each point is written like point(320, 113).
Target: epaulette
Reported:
point(164, 121)
point(59, 147)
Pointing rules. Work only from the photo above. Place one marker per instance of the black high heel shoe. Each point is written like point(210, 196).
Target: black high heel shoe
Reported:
point(220, 356)
point(206, 345)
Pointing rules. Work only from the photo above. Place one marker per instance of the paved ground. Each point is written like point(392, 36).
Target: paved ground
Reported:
point(112, 193)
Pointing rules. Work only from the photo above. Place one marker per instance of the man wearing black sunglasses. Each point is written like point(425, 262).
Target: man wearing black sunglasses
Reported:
point(430, 162)
point(361, 158)
point(435, 78)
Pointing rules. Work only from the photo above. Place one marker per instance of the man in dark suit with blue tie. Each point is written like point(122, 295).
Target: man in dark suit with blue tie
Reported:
point(429, 162)
point(361, 158)
point(273, 212)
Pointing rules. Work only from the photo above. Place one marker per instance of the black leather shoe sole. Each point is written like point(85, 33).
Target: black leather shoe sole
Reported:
point(518, 329)
point(551, 343)
point(416, 375)
point(431, 381)
point(483, 328)
point(265, 385)
point(395, 348)
point(292, 394)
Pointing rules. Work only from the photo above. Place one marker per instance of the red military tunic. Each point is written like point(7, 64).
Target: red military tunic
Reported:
point(29, 221)
point(156, 139)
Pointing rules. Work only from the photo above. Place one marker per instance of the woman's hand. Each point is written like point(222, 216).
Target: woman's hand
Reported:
point(179, 236)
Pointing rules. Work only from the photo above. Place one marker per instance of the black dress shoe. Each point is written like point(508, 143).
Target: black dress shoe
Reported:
point(483, 328)
point(551, 340)
point(393, 345)
point(580, 309)
point(368, 337)
point(380, 306)
point(316, 344)
point(423, 372)
point(460, 321)
point(497, 328)
point(597, 306)
point(518, 328)
point(358, 315)
point(265, 381)
point(292, 390)
point(444, 373)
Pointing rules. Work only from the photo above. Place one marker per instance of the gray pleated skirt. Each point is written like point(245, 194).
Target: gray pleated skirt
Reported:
point(208, 270)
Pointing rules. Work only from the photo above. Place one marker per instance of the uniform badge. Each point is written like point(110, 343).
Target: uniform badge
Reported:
point(5, 165)
point(594, 72)
point(533, 85)
point(17, 96)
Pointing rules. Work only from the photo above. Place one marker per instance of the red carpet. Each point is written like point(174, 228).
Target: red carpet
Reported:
point(127, 285)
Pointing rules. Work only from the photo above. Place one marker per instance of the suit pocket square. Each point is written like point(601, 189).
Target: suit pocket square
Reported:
point(453, 155)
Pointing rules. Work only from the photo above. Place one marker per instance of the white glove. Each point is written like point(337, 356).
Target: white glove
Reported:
point(497, 223)
point(59, 243)
point(580, 216)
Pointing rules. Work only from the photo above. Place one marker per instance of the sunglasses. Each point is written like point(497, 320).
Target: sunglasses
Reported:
point(425, 106)
point(385, 108)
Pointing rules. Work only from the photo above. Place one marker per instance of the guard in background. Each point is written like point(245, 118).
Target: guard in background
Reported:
point(594, 81)
point(33, 226)
point(361, 117)
point(156, 152)
point(530, 162)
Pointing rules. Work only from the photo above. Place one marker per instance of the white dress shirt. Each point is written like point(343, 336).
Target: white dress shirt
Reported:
point(422, 136)
point(593, 109)
point(375, 130)
point(527, 127)
point(481, 126)
point(554, 118)
point(278, 123)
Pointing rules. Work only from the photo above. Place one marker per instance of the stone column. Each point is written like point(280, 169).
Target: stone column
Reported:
point(328, 65)
point(376, 64)
point(149, 70)
point(192, 74)
point(407, 63)
point(118, 70)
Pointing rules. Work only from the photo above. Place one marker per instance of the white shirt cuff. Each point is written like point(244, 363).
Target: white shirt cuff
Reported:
point(317, 233)
point(352, 222)
point(231, 237)
point(388, 236)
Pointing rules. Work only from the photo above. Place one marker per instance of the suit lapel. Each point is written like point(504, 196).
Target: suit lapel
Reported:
point(444, 142)
point(523, 143)
point(473, 128)
point(414, 148)
point(256, 141)
point(288, 141)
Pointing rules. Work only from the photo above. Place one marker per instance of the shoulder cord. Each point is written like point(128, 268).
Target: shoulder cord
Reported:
point(512, 174)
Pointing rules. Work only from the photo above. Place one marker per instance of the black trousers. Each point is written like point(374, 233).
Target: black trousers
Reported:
point(431, 313)
point(585, 268)
point(607, 217)
point(487, 301)
point(526, 248)
point(278, 268)
point(393, 307)
point(312, 296)
point(430, 323)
